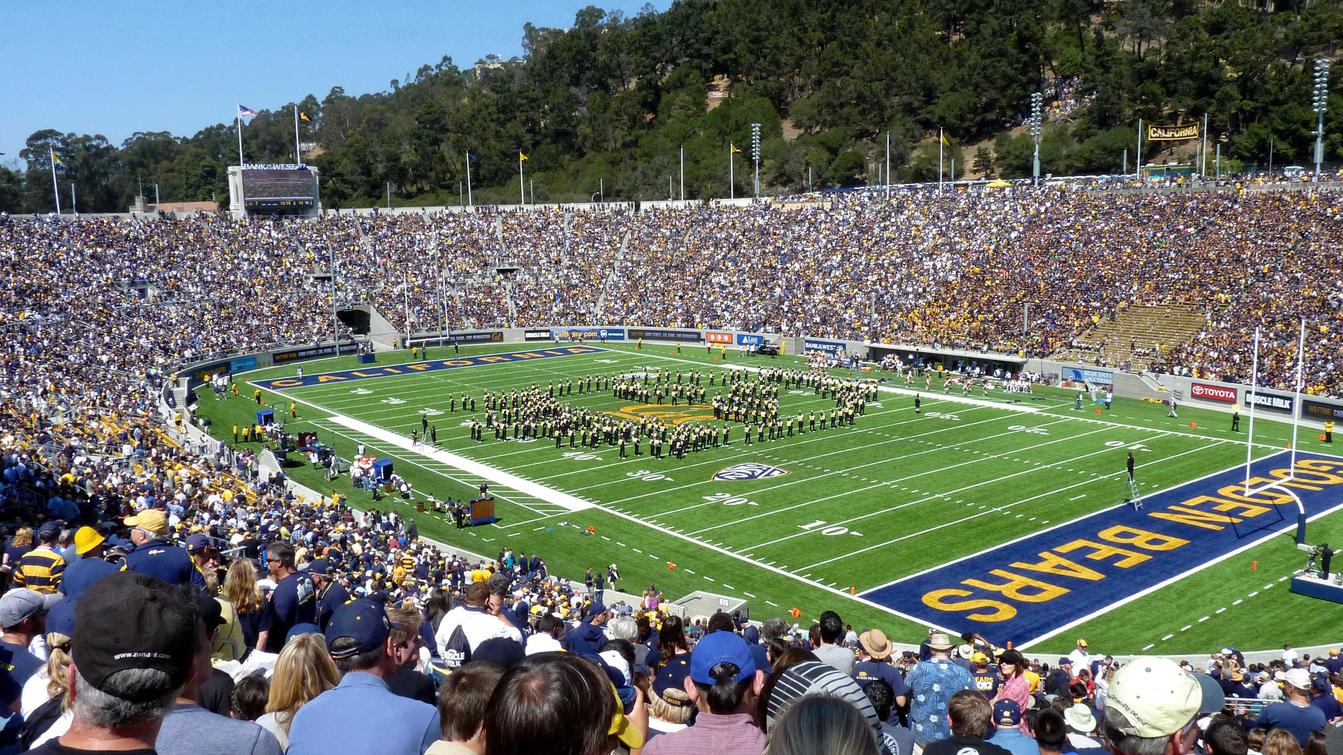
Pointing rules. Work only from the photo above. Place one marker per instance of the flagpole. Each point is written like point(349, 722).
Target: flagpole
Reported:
point(1296, 404)
point(522, 187)
point(242, 193)
point(298, 154)
point(683, 173)
point(888, 163)
point(55, 187)
point(731, 187)
point(468, 178)
point(1252, 399)
point(240, 163)
point(940, 143)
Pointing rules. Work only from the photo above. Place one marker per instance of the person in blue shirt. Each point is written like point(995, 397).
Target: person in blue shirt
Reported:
point(1295, 714)
point(590, 635)
point(1007, 717)
point(293, 601)
point(932, 684)
point(361, 715)
point(330, 594)
point(154, 556)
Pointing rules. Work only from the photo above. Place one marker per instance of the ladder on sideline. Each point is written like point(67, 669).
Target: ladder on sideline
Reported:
point(1135, 498)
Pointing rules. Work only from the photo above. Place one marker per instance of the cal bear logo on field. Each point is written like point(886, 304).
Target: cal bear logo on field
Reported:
point(751, 470)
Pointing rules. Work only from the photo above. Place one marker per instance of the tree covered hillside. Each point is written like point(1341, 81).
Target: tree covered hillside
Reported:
point(610, 101)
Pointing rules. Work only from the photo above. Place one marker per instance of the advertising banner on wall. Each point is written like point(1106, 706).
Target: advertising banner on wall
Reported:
point(662, 334)
point(1097, 377)
point(1320, 411)
point(1273, 402)
point(714, 336)
point(1219, 393)
point(829, 347)
point(588, 334)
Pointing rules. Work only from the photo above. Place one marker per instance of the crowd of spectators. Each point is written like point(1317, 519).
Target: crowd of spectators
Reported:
point(951, 269)
point(342, 632)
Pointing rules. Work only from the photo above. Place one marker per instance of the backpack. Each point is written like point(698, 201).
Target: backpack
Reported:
point(457, 650)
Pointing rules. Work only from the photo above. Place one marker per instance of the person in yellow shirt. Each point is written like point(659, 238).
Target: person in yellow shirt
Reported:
point(293, 410)
point(1032, 675)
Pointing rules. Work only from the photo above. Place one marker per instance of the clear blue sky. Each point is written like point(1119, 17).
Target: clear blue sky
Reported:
point(114, 68)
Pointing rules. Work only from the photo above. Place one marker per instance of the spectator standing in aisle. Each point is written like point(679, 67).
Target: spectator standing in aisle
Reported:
point(932, 684)
point(361, 715)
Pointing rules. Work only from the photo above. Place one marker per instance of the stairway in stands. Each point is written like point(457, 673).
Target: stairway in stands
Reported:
point(1141, 326)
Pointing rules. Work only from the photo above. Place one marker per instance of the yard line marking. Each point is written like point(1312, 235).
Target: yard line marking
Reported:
point(843, 494)
point(1037, 532)
point(689, 571)
point(607, 539)
point(1251, 595)
point(749, 595)
point(1220, 610)
point(1205, 618)
point(1149, 647)
point(1167, 637)
point(622, 545)
point(1078, 497)
point(1237, 601)
point(1186, 627)
point(711, 579)
point(772, 603)
point(890, 509)
point(726, 586)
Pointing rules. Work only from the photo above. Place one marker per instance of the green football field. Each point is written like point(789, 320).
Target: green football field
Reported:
point(858, 507)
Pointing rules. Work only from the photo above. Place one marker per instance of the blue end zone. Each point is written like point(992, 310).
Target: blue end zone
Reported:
point(1032, 587)
point(433, 365)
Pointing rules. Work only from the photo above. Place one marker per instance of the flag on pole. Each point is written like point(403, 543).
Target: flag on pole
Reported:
point(302, 116)
point(55, 160)
point(735, 149)
point(246, 112)
point(944, 138)
point(471, 157)
point(521, 157)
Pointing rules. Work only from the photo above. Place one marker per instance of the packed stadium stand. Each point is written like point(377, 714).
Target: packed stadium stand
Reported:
point(100, 312)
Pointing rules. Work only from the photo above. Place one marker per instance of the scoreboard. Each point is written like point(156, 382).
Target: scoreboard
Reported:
point(274, 189)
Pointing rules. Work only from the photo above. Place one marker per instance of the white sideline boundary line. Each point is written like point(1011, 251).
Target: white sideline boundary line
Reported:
point(493, 474)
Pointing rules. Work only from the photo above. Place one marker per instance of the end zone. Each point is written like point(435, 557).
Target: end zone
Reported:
point(1034, 586)
point(410, 368)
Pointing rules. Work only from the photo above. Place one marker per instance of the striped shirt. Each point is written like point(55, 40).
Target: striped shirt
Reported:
point(40, 570)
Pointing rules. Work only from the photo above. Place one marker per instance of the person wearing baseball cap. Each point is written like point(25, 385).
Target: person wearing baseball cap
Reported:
point(361, 714)
point(723, 684)
point(154, 555)
point(330, 593)
point(40, 569)
point(1295, 713)
point(22, 617)
point(131, 653)
point(1007, 719)
point(1152, 700)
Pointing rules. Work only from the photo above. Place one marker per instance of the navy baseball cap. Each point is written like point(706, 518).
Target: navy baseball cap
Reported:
point(594, 609)
point(720, 647)
point(198, 543)
point(1065, 661)
point(321, 567)
point(1006, 713)
point(362, 620)
point(61, 618)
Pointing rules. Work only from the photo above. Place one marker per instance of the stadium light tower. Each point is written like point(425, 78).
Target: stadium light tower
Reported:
point(1037, 105)
point(755, 155)
point(1319, 103)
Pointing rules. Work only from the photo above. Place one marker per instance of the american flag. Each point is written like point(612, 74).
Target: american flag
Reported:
point(246, 112)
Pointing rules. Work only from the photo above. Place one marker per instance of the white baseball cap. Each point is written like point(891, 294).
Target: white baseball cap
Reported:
point(1158, 698)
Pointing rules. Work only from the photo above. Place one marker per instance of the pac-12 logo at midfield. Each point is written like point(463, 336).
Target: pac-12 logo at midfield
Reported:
point(751, 470)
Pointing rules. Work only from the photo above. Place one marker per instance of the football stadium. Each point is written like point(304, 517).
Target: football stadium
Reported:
point(676, 388)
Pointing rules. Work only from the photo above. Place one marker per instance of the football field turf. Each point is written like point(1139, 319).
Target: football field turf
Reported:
point(841, 518)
